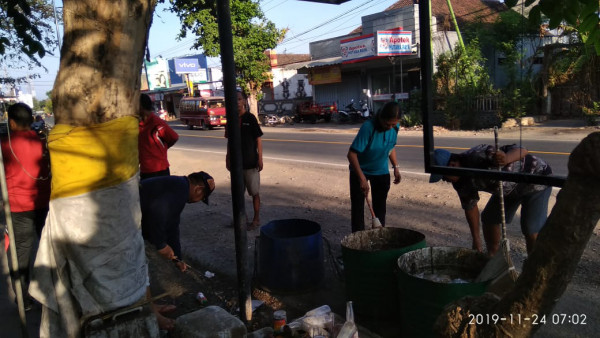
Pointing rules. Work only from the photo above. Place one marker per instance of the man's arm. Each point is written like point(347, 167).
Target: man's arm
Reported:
point(515, 154)
point(259, 150)
point(397, 176)
point(167, 134)
point(355, 165)
point(472, 216)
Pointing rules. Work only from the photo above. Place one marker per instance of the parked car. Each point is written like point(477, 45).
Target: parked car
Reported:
point(204, 112)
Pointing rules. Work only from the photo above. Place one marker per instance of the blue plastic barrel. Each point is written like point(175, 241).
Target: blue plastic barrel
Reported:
point(290, 255)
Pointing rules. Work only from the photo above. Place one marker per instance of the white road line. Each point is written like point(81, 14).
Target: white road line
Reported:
point(554, 189)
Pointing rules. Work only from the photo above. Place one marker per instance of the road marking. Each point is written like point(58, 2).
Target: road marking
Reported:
point(283, 159)
point(397, 145)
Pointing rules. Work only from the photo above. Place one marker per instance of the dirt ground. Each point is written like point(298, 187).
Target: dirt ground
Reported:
point(319, 193)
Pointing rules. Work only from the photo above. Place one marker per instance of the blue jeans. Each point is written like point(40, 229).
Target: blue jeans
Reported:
point(534, 210)
point(380, 186)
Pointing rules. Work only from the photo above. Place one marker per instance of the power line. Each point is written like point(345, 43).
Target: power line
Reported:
point(328, 21)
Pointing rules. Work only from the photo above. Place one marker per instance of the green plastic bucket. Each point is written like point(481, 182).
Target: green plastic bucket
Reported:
point(370, 258)
point(423, 299)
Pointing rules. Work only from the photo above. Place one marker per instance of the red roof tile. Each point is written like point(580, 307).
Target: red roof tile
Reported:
point(466, 11)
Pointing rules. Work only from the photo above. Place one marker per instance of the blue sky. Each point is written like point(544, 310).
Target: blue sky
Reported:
point(306, 21)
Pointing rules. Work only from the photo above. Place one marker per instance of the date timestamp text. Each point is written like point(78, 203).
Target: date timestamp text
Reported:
point(534, 319)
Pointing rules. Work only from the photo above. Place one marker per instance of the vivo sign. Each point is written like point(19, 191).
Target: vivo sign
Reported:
point(183, 66)
point(391, 43)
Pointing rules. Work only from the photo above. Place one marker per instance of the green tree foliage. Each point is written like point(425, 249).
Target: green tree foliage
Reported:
point(580, 14)
point(461, 78)
point(26, 35)
point(252, 35)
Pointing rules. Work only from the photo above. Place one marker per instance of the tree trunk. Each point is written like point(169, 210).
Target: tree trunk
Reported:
point(551, 265)
point(101, 58)
point(91, 254)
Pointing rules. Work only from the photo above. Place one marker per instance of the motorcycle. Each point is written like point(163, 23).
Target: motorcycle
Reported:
point(353, 114)
point(365, 112)
point(271, 120)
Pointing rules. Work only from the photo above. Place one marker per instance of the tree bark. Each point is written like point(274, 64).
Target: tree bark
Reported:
point(551, 265)
point(101, 58)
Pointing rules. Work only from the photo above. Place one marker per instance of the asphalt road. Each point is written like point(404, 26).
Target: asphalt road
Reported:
point(331, 148)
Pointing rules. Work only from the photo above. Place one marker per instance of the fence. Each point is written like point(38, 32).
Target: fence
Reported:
point(280, 107)
point(482, 111)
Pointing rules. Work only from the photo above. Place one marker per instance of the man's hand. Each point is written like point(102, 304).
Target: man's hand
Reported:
point(260, 164)
point(397, 176)
point(181, 265)
point(167, 252)
point(500, 158)
point(364, 186)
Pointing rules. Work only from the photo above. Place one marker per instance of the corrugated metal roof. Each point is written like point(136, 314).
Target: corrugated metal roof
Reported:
point(314, 63)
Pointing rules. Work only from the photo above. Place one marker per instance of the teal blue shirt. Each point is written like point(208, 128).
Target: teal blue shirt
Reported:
point(373, 148)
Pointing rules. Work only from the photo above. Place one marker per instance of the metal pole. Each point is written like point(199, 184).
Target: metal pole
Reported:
point(14, 263)
point(426, 83)
point(56, 25)
point(235, 157)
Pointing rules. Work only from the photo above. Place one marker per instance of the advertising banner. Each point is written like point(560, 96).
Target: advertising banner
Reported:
point(325, 75)
point(158, 74)
point(183, 66)
point(390, 43)
point(199, 77)
point(357, 49)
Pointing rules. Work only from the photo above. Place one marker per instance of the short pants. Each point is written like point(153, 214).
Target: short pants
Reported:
point(534, 210)
point(252, 181)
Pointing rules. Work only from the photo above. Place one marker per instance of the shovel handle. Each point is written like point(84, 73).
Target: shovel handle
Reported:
point(370, 207)
point(500, 190)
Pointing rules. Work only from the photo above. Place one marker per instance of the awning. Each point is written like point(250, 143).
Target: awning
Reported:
point(314, 63)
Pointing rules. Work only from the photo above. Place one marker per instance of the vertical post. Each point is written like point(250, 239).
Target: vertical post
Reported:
point(235, 157)
point(14, 264)
point(426, 84)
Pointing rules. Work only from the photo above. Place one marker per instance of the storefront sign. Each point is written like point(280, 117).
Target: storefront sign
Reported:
point(184, 66)
point(357, 49)
point(199, 77)
point(324, 75)
point(390, 43)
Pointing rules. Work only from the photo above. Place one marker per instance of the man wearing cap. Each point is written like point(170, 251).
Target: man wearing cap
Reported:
point(162, 200)
point(532, 198)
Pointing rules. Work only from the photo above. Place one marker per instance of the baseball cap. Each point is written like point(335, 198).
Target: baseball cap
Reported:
point(207, 188)
point(441, 157)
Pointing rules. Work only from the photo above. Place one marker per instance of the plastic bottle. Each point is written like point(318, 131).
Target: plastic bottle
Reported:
point(349, 330)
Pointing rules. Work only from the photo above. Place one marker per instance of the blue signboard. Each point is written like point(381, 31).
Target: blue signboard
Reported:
point(183, 66)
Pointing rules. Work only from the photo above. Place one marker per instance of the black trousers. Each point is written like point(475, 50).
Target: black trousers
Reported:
point(380, 186)
point(27, 227)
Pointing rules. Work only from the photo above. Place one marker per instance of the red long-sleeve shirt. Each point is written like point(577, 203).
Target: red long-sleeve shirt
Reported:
point(155, 138)
point(27, 170)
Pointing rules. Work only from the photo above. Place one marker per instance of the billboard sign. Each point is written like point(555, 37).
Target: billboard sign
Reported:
point(357, 49)
point(184, 66)
point(390, 43)
point(158, 74)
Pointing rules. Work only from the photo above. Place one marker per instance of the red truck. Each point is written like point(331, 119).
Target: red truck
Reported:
point(204, 112)
point(309, 111)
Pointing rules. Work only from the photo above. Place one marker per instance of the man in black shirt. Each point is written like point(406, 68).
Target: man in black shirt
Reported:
point(252, 161)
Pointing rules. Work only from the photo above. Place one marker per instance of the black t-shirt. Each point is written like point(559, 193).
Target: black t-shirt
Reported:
point(250, 131)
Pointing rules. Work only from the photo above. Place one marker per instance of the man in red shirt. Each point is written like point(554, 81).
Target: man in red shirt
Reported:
point(27, 167)
point(155, 138)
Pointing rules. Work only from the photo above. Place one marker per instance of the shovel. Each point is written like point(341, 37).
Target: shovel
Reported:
point(376, 223)
point(500, 267)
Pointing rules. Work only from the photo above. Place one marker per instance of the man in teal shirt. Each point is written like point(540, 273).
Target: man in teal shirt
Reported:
point(368, 155)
